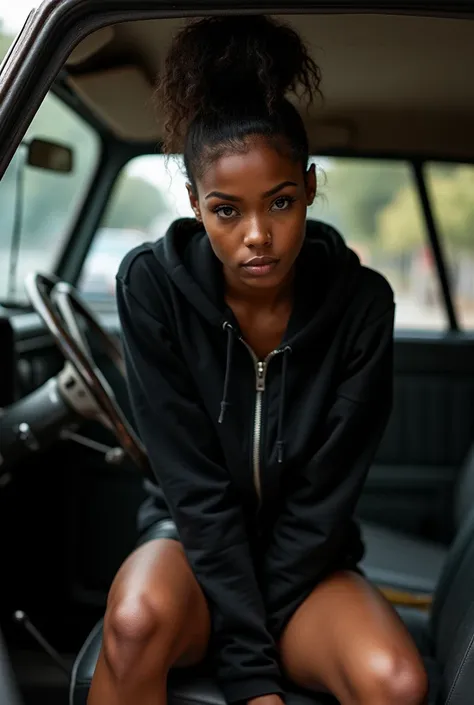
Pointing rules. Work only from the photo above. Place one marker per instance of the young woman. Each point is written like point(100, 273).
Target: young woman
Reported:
point(259, 358)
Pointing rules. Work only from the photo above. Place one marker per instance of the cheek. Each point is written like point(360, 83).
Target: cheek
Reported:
point(222, 240)
point(291, 228)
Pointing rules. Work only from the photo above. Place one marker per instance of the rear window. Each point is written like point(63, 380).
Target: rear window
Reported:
point(451, 189)
point(374, 203)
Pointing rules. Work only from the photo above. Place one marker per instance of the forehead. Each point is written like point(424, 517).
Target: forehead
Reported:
point(259, 166)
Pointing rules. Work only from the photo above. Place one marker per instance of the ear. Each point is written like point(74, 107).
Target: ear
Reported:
point(311, 184)
point(193, 200)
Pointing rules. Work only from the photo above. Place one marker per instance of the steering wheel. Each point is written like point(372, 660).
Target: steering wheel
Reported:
point(81, 382)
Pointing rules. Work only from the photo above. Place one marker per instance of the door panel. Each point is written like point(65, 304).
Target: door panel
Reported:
point(410, 487)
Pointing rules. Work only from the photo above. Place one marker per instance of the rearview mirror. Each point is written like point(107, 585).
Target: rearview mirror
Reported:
point(50, 155)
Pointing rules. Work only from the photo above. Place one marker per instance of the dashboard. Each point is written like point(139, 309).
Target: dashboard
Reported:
point(7, 357)
point(28, 355)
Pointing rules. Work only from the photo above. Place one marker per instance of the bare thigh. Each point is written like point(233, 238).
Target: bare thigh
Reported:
point(348, 640)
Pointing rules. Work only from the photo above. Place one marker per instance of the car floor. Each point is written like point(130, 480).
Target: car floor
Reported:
point(40, 681)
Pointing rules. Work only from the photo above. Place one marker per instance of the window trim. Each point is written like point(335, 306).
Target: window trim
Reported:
point(436, 246)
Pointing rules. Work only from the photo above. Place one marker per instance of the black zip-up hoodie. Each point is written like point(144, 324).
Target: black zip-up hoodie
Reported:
point(261, 463)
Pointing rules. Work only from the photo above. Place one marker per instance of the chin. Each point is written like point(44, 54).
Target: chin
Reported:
point(272, 281)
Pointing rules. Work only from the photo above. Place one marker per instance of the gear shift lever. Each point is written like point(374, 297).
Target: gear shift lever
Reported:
point(21, 618)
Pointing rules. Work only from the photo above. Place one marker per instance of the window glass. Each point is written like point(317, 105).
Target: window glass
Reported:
point(48, 201)
point(451, 189)
point(373, 203)
point(149, 195)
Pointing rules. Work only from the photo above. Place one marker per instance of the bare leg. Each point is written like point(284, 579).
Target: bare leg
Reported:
point(348, 640)
point(156, 618)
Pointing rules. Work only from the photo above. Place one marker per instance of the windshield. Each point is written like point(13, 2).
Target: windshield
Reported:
point(48, 200)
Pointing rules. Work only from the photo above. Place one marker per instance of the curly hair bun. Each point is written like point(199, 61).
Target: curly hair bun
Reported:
point(230, 65)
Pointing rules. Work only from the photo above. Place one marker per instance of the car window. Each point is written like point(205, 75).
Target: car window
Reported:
point(375, 205)
point(48, 200)
point(150, 193)
point(451, 189)
point(369, 201)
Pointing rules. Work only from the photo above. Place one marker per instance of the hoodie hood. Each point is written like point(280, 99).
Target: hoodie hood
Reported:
point(326, 273)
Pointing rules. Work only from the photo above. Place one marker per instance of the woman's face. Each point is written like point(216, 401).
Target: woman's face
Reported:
point(253, 207)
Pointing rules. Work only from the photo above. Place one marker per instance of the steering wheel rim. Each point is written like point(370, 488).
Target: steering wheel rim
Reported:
point(46, 292)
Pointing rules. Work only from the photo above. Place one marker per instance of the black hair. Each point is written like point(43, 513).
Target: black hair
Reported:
point(225, 80)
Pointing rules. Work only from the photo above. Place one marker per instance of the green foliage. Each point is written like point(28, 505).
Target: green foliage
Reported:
point(400, 223)
point(354, 191)
point(453, 201)
point(451, 189)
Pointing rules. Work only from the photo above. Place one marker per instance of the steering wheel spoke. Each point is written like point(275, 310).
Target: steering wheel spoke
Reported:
point(77, 394)
point(81, 383)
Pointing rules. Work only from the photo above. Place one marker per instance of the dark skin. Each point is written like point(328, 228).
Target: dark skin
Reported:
point(345, 638)
point(265, 219)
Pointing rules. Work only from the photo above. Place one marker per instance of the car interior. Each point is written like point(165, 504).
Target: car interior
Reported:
point(393, 141)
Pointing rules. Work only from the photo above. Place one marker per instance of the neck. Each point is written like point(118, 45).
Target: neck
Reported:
point(265, 298)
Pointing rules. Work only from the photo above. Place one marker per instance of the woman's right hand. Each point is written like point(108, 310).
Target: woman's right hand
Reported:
point(271, 699)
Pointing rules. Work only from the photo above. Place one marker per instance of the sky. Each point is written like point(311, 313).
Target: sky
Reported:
point(14, 13)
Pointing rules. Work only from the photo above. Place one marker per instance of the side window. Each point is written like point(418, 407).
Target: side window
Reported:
point(375, 205)
point(150, 193)
point(40, 215)
point(451, 189)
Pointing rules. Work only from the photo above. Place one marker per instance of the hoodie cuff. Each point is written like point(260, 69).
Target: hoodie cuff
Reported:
point(245, 690)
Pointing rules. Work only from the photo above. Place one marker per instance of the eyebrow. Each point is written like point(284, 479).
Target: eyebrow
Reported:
point(267, 194)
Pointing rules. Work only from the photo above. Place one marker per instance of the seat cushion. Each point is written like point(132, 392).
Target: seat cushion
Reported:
point(401, 561)
point(186, 686)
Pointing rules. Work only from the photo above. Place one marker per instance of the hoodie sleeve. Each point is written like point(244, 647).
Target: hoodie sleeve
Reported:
point(187, 460)
point(310, 530)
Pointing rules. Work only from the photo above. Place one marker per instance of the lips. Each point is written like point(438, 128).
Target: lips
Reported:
point(260, 266)
point(260, 261)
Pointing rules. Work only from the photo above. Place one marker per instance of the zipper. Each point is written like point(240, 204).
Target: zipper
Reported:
point(260, 375)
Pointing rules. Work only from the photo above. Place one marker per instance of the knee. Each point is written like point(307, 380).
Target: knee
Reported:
point(394, 680)
point(135, 626)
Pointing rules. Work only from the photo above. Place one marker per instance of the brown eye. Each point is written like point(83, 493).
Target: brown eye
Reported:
point(225, 212)
point(282, 203)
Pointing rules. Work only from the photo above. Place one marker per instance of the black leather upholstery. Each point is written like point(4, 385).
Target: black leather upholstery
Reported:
point(445, 638)
point(452, 620)
point(408, 562)
point(400, 560)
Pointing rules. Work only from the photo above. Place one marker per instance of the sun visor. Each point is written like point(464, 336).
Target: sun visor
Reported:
point(121, 97)
point(90, 45)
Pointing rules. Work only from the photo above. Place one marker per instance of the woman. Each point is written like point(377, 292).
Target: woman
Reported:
point(259, 358)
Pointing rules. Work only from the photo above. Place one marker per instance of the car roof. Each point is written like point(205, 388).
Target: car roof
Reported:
point(390, 82)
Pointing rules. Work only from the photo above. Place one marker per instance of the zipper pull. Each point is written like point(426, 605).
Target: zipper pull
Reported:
point(260, 377)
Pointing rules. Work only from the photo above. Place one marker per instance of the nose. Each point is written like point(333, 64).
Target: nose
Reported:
point(257, 233)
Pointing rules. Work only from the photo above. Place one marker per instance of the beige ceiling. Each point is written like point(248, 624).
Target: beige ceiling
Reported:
point(390, 82)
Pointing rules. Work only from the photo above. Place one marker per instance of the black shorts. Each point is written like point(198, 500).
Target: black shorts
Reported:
point(163, 529)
